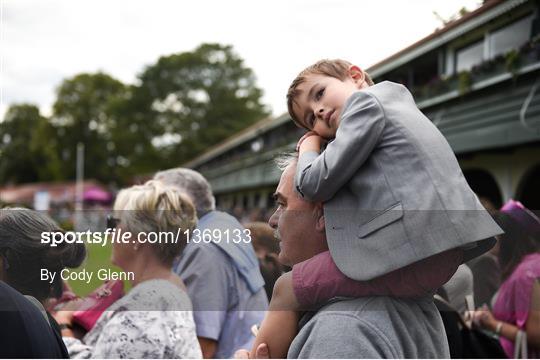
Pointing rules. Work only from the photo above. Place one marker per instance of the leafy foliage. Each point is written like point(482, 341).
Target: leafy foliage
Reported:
point(82, 113)
point(28, 147)
point(182, 105)
point(199, 98)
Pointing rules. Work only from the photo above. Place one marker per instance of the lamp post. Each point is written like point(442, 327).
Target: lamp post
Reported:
point(79, 186)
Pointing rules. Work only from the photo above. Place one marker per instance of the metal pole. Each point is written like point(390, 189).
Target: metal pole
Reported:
point(79, 186)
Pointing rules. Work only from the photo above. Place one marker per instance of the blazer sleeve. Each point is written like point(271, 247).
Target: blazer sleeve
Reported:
point(319, 176)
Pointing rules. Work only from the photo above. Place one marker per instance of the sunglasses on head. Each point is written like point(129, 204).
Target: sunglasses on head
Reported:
point(112, 222)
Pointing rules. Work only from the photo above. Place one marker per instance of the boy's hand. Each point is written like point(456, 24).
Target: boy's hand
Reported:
point(311, 141)
point(261, 353)
point(304, 137)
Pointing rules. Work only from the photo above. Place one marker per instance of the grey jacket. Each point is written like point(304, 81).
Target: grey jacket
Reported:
point(392, 188)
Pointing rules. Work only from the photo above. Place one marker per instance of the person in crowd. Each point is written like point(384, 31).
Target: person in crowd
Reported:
point(24, 331)
point(25, 256)
point(255, 215)
point(262, 238)
point(459, 287)
point(220, 270)
point(486, 276)
point(154, 319)
point(517, 303)
point(485, 268)
point(365, 327)
point(400, 241)
point(267, 249)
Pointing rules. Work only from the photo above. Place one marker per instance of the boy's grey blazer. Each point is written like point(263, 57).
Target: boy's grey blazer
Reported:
point(392, 188)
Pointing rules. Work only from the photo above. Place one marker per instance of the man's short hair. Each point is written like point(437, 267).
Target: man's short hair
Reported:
point(193, 184)
point(284, 160)
point(336, 68)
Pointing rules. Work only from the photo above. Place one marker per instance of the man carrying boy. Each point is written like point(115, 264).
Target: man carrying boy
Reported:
point(368, 327)
point(398, 212)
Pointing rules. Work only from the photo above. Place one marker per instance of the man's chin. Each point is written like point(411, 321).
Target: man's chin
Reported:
point(283, 259)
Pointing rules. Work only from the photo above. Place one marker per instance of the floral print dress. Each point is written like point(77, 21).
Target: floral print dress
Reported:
point(154, 320)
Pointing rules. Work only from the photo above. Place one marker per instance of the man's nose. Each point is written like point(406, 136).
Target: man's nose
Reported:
point(273, 221)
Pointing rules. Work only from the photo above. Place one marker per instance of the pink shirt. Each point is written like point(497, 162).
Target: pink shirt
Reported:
point(514, 299)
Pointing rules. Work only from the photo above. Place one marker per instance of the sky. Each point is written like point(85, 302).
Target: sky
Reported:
point(43, 42)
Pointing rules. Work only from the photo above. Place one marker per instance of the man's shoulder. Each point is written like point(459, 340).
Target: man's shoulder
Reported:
point(368, 304)
point(367, 309)
point(204, 259)
point(218, 220)
point(372, 327)
point(339, 312)
point(339, 305)
point(338, 330)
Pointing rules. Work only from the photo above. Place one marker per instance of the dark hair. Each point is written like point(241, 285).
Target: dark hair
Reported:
point(24, 254)
point(514, 244)
point(262, 236)
point(271, 270)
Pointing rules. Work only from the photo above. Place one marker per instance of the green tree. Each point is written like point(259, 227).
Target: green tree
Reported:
point(196, 99)
point(28, 147)
point(132, 131)
point(82, 113)
point(182, 105)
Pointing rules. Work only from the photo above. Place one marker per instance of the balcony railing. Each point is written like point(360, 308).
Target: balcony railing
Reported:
point(510, 62)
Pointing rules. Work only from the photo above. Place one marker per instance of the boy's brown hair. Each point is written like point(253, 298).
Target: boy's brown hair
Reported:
point(336, 68)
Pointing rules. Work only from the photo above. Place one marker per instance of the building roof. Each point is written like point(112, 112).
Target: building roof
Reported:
point(238, 138)
point(488, 11)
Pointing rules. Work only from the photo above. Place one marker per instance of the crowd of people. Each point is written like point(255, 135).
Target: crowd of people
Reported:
point(187, 300)
point(354, 262)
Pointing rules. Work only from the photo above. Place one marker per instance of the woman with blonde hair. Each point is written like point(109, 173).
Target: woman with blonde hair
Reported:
point(154, 320)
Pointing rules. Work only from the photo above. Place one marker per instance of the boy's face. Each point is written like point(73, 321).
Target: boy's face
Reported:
point(321, 99)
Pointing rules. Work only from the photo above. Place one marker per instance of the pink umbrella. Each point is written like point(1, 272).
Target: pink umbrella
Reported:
point(97, 194)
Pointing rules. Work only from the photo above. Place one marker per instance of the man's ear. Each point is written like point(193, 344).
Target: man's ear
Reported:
point(357, 75)
point(320, 225)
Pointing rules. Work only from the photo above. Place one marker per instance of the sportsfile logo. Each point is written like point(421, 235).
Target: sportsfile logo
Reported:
point(119, 236)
